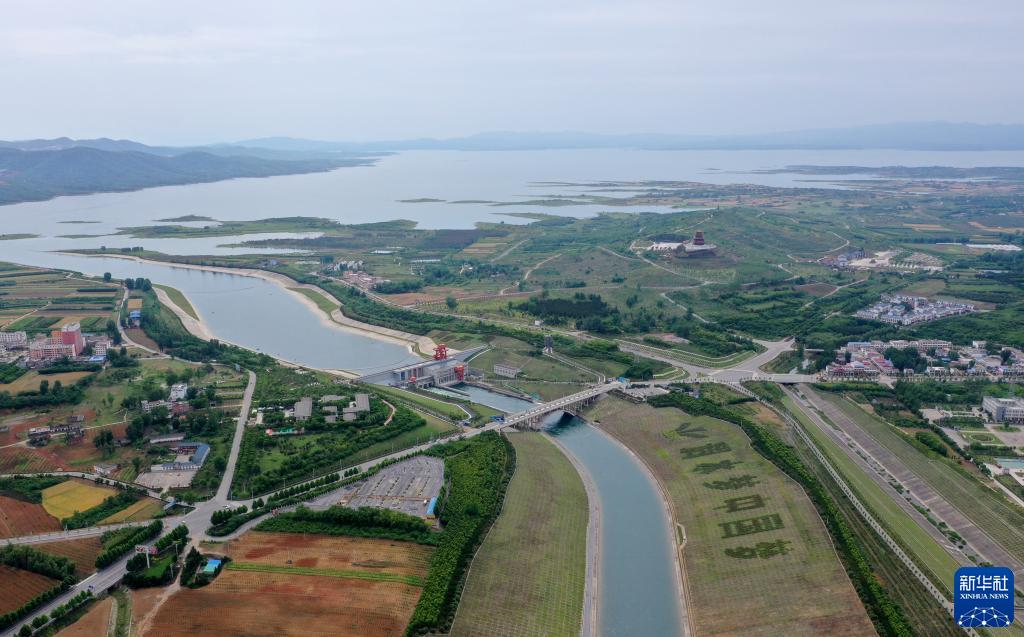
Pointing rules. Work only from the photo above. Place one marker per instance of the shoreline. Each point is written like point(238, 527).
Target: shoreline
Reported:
point(337, 320)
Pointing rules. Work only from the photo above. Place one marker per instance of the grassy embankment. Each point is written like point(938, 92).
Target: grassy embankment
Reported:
point(740, 580)
point(528, 576)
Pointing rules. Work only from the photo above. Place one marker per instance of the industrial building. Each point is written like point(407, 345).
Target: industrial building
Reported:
point(445, 369)
point(506, 370)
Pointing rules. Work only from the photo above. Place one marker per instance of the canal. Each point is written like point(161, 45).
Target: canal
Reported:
point(637, 567)
point(638, 589)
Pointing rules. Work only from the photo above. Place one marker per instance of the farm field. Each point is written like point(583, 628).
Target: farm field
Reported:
point(30, 380)
point(24, 460)
point(755, 546)
point(528, 577)
point(267, 596)
point(81, 551)
point(38, 300)
point(986, 508)
point(144, 509)
point(18, 586)
point(19, 518)
point(94, 623)
point(65, 499)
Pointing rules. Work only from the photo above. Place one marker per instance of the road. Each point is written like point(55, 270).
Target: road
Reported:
point(197, 521)
point(236, 444)
point(939, 507)
point(878, 475)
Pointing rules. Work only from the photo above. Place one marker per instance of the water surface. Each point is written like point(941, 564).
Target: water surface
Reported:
point(637, 569)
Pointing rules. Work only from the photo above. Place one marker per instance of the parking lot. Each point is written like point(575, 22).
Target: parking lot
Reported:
point(406, 486)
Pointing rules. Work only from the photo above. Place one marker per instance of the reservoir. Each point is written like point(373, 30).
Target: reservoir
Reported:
point(251, 312)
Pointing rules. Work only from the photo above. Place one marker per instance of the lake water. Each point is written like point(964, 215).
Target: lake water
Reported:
point(374, 193)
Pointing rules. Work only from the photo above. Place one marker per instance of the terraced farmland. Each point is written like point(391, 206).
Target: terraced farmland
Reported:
point(756, 549)
point(22, 460)
point(528, 577)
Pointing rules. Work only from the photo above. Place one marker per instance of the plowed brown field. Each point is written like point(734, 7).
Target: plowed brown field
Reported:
point(24, 518)
point(324, 551)
point(82, 552)
point(18, 586)
point(271, 604)
point(94, 623)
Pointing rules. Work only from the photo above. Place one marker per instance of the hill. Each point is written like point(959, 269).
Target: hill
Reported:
point(69, 168)
point(904, 136)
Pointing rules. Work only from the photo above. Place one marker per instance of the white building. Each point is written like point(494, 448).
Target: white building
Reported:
point(178, 392)
point(12, 340)
point(506, 370)
point(1004, 409)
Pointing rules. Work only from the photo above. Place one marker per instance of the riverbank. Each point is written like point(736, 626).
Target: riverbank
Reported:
point(335, 320)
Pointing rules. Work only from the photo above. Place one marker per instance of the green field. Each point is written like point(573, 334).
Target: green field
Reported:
point(179, 299)
point(988, 509)
point(755, 547)
point(326, 306)
point(528, 577)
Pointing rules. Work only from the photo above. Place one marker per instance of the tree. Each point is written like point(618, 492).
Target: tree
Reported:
point(451, 302)
point(104, 441)
point(106, 277)
point(44, 387)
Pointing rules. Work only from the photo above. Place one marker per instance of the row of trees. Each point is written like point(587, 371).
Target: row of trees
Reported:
point(126, 542)
point(26, 558)
point(57, 613)
point(361, 522)
point(478, 471)
point(105, 509)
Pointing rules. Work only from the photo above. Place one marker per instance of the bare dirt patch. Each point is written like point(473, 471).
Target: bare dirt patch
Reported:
point(93, 623)
point(816, 289)
point(264, 603)
point(320, 551)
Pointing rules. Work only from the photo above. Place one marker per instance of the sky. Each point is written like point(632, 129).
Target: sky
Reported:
point(190, 71)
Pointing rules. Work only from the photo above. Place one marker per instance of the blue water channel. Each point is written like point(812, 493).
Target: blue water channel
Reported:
point(638, 576)
point(637, 570)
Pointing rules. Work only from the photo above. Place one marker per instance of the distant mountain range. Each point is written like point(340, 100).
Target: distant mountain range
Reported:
point(911, 136)
point(41, 169)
